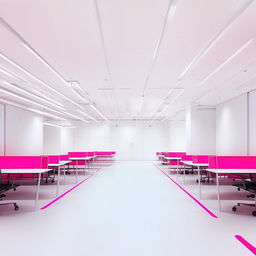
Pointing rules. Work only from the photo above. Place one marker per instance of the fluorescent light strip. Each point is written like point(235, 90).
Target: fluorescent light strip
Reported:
point(99, 112)
point(44, 113)
point(238, 51)
point(28, 100)
point(38, 80)
point(40, 105)
point(214, 40)
point(32, 95)
point(29, 109)
point(168, 16)
point(7, 73)
point(41, 59)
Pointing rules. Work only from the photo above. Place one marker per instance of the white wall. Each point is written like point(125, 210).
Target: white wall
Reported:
point(231, 127)
point(252, 124)
point(52, 140)
point(66, 140)
point(177, 136)
point(24, 132)
point(2, 130)
point(131, 140)
point(200, 131)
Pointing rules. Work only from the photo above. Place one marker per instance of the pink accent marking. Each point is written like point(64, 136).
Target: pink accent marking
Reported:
point(246, 244)
point(65, 193)
point(200, 204)
point(54, 159)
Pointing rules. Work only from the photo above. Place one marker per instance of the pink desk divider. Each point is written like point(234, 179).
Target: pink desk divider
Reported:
point(186, 157)
point(176, 154)
point(233, 162)
point(23, 162)
point(202, 159)
point(54, 159)
point(64, 157)
point(77, 154)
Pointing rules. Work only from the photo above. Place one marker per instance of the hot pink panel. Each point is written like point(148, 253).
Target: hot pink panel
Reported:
point(20, 162)
point(54, 159)
point(236, 162)
point(77, 154)
point(64, 157)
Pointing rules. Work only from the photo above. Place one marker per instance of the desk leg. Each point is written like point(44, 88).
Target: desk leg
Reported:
point(184, 168)
point(199, 181)
point(218, 190)
point(177, 171)
point(76, 171)
point(64, 174)
point(58, 182)
point(37, 191)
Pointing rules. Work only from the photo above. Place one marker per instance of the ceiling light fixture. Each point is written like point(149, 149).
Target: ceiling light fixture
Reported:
point(18, 89)
point(38, 80)
point(28, 100)
point(237, 52)
point(99, 112)
point(168, 17)
point(215, 39)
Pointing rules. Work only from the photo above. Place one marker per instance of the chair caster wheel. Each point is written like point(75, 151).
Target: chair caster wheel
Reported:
point(234, 209)
point(196, 181)
point(52, 181)
point(254, 213)
point(16, 207)
point(238, 189)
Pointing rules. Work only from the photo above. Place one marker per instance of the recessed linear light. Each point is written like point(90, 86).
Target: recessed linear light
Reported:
point(30, 109)
point(214, 40)
point(29, 101)
point(44, 113)
point(18, 89)
point(7, 73)
point(38, 80)
point(31, 50)
point(59, 126)
point(238, 51)
point(99, 112)
point(83, 113)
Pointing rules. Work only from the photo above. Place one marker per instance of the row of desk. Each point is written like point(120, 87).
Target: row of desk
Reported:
point(181, 164)
point(51, 167)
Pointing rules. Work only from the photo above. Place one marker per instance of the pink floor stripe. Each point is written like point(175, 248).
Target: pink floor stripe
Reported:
point(246, 244)
point(200, 204)
point(65, 193)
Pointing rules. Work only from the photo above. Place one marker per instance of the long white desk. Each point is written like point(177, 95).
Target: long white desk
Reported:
point(61, 163)
point(174, 158)
point(29, 171)
point(86, 158)
point(199, 166)
point(228, 171)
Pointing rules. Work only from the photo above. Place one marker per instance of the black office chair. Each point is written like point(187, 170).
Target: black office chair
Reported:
point(250, 186)
point(4, 187)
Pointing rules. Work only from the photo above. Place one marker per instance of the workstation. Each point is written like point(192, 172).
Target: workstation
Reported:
point(128, 127)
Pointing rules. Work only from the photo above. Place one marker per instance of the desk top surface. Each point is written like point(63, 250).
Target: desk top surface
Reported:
point(233, 171)
point(27, 171)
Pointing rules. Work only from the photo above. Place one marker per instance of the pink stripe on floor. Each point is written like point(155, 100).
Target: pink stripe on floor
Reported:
point(200, 204)
point(65, 193)
point(246, 244)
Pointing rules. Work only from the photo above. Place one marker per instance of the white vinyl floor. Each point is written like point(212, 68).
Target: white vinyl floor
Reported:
point(126, 209)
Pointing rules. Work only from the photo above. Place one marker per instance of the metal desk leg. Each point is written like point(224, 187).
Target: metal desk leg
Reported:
point(37, 191)
point(64, 174)
point(199, 181)
point(76, 171)
point(218, 190)
point(184, 174)
point(58, 182)
point(177, 172)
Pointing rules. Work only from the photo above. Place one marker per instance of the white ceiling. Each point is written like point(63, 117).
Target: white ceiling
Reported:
point(120, 50)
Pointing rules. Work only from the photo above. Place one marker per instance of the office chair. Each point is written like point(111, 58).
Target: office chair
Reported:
point(4, 187)
point(249, 186)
